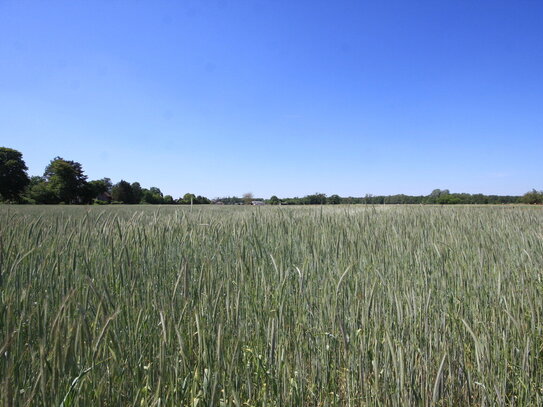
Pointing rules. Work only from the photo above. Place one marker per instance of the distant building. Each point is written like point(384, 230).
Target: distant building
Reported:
point(218, 203)
point(258, 203)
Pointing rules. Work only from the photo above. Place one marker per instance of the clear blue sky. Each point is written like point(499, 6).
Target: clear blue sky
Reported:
point(279, 97)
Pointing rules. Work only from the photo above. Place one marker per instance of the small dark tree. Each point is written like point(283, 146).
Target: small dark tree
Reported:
point(137, 192)
point(202, 200)
point(315, 199)
point(122, 192)
point(334, 199)
point(274, 200)
point(13, 177)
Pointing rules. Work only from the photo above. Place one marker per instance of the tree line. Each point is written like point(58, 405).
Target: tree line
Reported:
point(64, 181)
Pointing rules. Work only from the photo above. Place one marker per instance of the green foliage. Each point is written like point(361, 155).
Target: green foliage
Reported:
point(334, 199)
point(448, 199)
point(532, 197)
point(202, 200)
point(152, 196)
point(274, 200)
point(122, 192)
point(66, 181)
point(39, 192)
point(13, 177)
point(231, 200)
point(137, 192)
point(100, 186)
point(315, 199)
point(280, 306)
point(187, 199)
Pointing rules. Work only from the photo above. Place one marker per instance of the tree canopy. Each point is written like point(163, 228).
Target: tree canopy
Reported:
point(13, 177)
point(66, 181)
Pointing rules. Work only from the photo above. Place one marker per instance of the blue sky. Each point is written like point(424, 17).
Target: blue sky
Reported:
point(279, 97)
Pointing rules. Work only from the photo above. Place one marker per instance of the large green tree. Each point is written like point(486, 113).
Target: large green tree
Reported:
point(274, 200)
point(532, 197)
point(66, 180)
point(100, 186)
point(122, 192)
point(137, 191)
point(152, 195)
point(13, 177)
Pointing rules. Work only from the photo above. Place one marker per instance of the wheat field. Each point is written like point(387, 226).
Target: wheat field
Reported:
point(271, 306)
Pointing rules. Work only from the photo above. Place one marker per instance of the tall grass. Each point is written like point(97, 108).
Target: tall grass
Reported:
point(271, 306)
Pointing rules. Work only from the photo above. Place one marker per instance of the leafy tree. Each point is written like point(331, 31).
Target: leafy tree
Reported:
point(66, 180)
point(233, 200)
point(202, 200)
point(100, 186)
point(152, 196)
point(532, 197)
point(435, 195)
point(122, 192)
point(168, 200)
point(187, 199)
point(13, 177)
point(137, 192)
point(274, 200)
point(315, 199)
point(449, 199)
point(334, 200)
point(155, 191)
point(39, 192)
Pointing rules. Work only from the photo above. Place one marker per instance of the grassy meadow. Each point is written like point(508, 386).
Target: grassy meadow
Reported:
point(271, 306)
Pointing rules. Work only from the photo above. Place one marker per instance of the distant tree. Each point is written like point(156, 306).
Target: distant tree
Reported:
point(202, 200)
point(334, 199)
point(315, 199)
point(533, 197)
point(449, 199)
point(230, 200)
point(100, 186)
point(137, 192)
point(187, 199)
point(168, 200)
point(274, 200)
point(152, 196)
point(122, 192)
point(66, 180)
point(435, 194)
point(248, 198)
point(39, 192)
point(155, 191)
point(13, 177)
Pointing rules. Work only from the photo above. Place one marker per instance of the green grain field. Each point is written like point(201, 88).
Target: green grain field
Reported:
point(271, 306)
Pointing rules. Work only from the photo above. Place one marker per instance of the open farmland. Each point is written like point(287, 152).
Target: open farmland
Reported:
point(271, 306)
